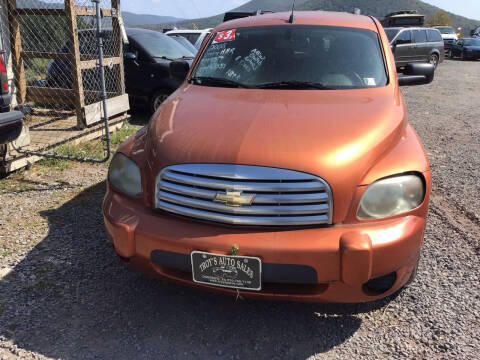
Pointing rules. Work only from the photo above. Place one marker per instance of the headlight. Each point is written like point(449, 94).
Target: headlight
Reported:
point(125, 176)
point(391, 196)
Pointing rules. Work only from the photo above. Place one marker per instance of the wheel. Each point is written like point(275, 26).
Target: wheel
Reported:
point(433, 59)
point(448, 54)
point(157, 99)
point(462, 56)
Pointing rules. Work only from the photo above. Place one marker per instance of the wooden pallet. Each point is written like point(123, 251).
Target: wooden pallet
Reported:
point(47, 133)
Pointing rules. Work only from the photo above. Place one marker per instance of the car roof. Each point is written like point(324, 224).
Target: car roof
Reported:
point(135, 31)
point(410, 28)
point(328, 18)
point(183, 31)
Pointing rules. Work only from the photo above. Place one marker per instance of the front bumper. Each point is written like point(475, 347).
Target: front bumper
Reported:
point(325, 264)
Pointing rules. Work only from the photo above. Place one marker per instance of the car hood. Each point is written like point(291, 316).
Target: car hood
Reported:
point(337, 135)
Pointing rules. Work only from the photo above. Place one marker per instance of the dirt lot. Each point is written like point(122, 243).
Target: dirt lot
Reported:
point(63, 294)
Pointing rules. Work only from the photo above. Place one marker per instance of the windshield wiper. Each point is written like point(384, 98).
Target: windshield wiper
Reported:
point(213, 81)
point(163, 58)
point(293, 85)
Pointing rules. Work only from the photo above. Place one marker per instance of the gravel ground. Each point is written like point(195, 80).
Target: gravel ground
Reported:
point(63, 294)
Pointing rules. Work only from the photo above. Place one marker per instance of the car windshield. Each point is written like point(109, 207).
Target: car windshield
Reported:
point(391, 33)
point(294, 56)
point(471, 42)
point(158, 45)
point(446, 30)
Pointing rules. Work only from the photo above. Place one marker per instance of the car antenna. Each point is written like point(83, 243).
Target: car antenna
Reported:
point(292, 17)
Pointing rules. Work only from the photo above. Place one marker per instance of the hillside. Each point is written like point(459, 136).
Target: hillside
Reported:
point(254, 5)
point(377, 8)
point(132, 19)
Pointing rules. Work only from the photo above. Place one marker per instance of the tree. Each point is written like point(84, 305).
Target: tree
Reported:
point(440, 18)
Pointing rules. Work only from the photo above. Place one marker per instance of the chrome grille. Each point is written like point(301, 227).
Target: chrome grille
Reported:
point(281, 197)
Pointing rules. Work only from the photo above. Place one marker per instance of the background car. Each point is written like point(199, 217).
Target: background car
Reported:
point(476, 32)
point(196, 37)
point(467, 49)
point(147, 60)
point(180, 39)
point(10, 121)
point(416, 45)
point(449, 37)
point(147, 66)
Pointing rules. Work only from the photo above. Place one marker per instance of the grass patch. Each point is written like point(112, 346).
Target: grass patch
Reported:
point(122, 134)
point(5, 253)
point(92, 149)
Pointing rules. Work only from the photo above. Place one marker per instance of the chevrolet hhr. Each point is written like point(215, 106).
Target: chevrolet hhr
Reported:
point(284, 167)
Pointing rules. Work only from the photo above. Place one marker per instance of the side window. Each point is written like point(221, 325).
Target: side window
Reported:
point(405, 37)
point(420, 36)
point(434, 35)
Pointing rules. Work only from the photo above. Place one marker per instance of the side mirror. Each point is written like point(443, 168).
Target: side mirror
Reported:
point(130, 56)
point(417, 74)
point(179, 69)
point(10, 126)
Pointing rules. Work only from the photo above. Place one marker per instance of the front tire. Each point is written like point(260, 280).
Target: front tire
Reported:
point(157, 99)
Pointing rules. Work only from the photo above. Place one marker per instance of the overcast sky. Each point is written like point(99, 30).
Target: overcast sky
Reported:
point(201, 8)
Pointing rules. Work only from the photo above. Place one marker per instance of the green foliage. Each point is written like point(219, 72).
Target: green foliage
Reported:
point(440, 18)
point(92, 149)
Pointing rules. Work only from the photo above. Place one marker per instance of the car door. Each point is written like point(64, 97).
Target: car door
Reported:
point(457, 48)
point(404, 49)
point(136, 64)
point(421, 45)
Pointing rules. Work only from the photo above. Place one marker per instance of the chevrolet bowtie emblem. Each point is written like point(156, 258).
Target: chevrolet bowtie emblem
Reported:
point(234, 198)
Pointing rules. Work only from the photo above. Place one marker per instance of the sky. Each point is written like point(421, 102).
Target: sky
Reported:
point(467, 8)
point(188, 9)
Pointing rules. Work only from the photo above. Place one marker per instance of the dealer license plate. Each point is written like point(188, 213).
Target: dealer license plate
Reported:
point(237, 272)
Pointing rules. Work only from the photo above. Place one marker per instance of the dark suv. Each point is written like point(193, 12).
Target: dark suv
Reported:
point(416, 45)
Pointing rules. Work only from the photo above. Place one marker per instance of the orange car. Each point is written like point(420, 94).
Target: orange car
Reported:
point(284, 167)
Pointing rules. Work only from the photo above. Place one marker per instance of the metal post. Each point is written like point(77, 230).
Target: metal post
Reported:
point(102, 75)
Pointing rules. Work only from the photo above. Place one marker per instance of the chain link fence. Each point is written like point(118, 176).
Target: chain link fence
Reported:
point(52, 48)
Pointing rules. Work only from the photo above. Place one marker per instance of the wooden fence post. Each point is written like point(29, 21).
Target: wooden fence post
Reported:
point(16, 50)
point(118, 42)
point(75, 61)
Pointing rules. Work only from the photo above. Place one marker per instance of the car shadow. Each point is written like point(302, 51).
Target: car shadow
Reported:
point(71, 297)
